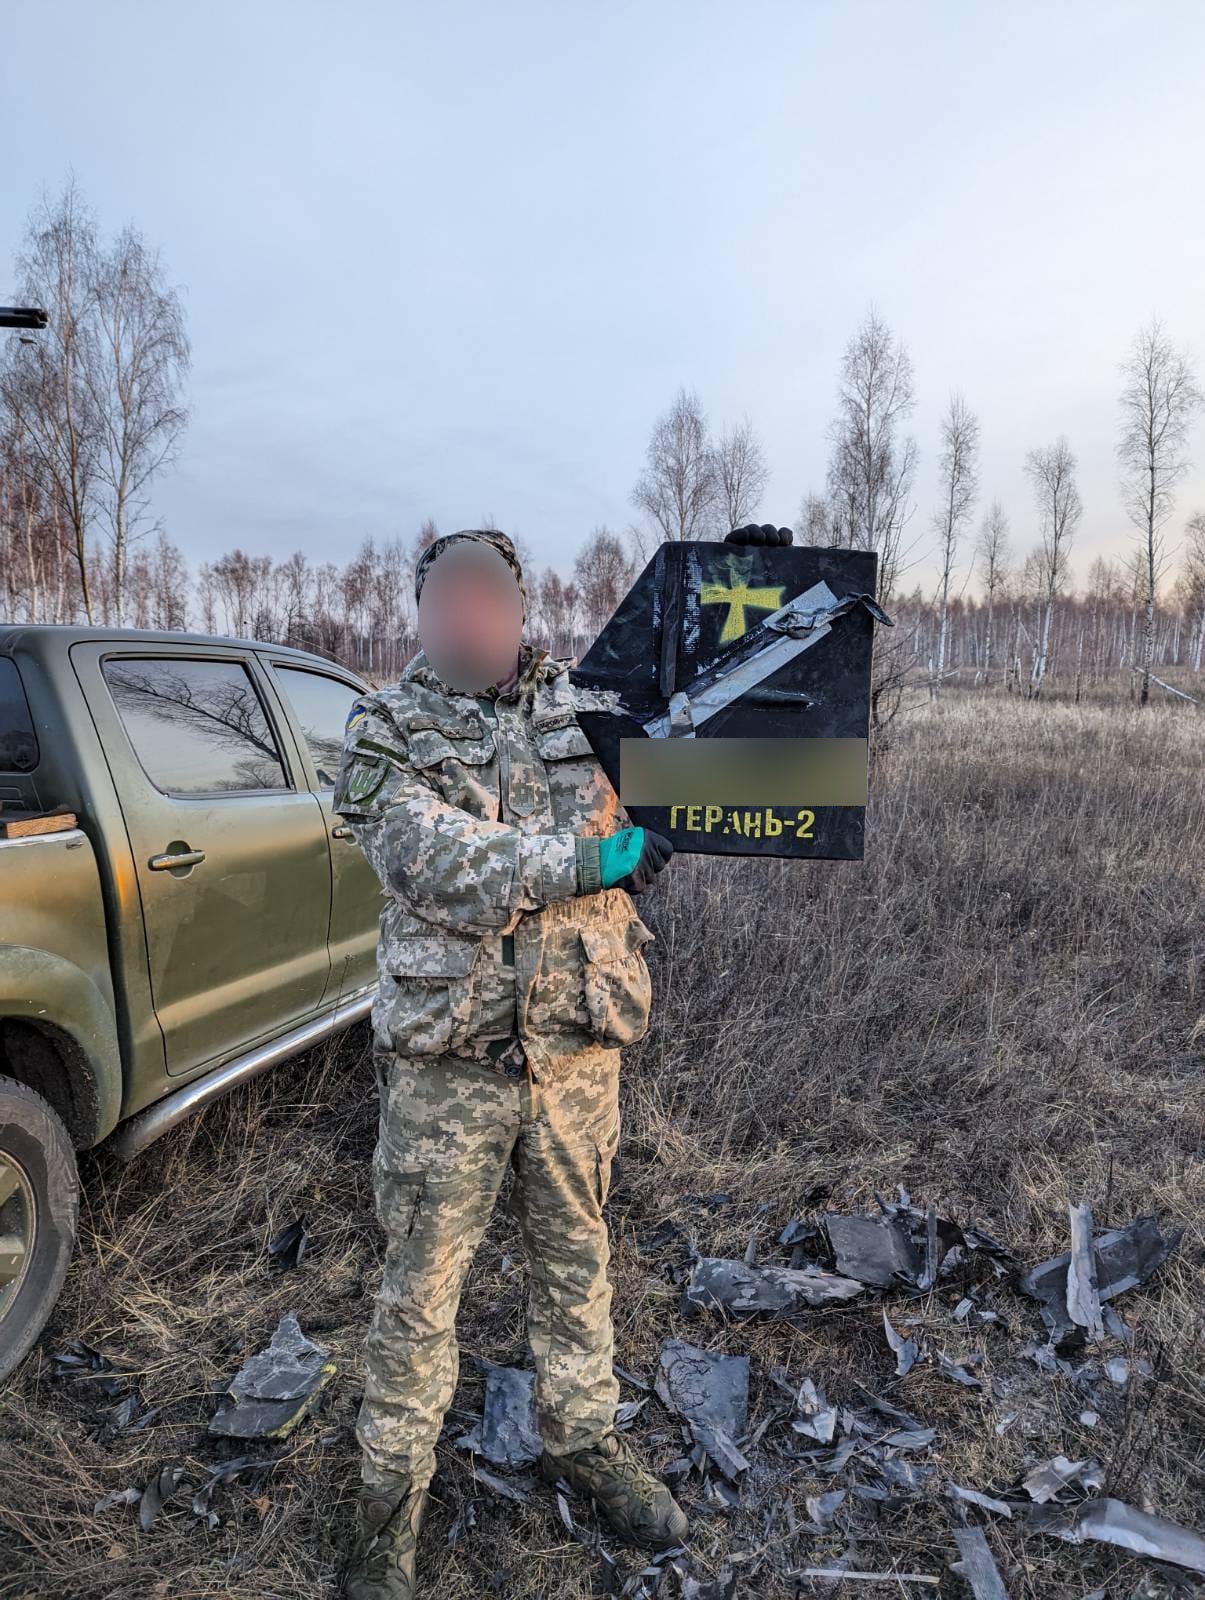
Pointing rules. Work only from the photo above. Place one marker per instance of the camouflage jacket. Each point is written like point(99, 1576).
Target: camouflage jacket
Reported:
point(467, 808)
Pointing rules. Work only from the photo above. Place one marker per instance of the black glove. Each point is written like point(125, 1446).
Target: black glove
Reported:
point(656, 852)
point(764, 533)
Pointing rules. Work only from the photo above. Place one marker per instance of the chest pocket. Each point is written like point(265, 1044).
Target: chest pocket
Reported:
point(459, 757)
point(580, 796)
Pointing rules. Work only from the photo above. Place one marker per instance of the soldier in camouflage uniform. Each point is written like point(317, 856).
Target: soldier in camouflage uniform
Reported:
point(511, 974)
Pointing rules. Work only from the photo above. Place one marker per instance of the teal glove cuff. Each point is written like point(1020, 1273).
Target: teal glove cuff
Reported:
point(589, 870)
point(619, 854)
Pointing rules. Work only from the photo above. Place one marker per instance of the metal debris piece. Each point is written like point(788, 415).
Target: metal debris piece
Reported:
point(119, 1497)
point(1089, 1419)
point(290, 1245)
point(737, 1286)
point(159, 1489)
point(978, 1565)
point(963, 1309)
point(817, 1419)
point(1125, 1257)
point(957, 1372)
point(518, 1489)
point(1113, 1522)
point(710, 1391)
point(664, 1234)
point(272, 1391)
point(627, 1411)
point(1050, 1478)
point(463, 1522)
point(721, 1588)
point(1083, 1295)
point(822, 1508)
point(877, 1251)
point(848, 1575)
point(81, 1361)
point(507, 1433)
point(226, 1473)
point(998, 1508)
point(906, 1350)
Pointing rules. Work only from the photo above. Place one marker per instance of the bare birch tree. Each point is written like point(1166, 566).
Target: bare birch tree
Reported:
point(958, 465)
point(44, 385)
point(992, 551)
point(741, 472)
point(680, 488)
point(1051, 470)
point(870, 476)
point(141, 356)
point(1190, 587)
point(1159, 398)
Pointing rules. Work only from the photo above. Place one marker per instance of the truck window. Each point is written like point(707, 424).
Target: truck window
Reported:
point(321, 704)
point(18, 741)
point(197, 726)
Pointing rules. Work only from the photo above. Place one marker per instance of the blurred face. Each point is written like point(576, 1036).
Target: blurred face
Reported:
point(470, 617)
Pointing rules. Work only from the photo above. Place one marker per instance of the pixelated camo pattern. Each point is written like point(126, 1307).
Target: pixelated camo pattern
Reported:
point(469, 824)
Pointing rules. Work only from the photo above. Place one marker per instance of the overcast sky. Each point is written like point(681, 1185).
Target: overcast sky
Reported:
point(453, 260)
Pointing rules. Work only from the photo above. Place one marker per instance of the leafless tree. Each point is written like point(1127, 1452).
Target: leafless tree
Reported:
point(992, 551)
point(870, 476)
point(1160, 396)
point(1051, 470)
point(871, 469)
point(141, 356)
point(741, 471)
point(44, 385)
point(958, 464)
point(1191, 586)
point(680, 488)
point(813, 524)
point(602, 574)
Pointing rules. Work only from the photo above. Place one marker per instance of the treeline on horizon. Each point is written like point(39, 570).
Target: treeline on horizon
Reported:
point(91, 411)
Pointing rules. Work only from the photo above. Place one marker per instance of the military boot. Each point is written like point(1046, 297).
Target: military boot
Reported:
point(388, 1518)
point(636, 1503)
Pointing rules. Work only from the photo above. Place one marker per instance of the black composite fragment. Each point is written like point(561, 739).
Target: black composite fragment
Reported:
point(273, 1390)
point(508, 1434)
point(1124, 1258)
point(737, 1286)
point(710, 1391)
point(290, 1245)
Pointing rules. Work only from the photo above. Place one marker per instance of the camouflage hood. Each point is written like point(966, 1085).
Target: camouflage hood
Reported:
point(491, 536)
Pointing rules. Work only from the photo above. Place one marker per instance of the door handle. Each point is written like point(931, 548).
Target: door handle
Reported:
point(341, 832)
point(172, 859)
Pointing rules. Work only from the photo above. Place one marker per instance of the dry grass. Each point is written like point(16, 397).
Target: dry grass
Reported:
point(996, 1009)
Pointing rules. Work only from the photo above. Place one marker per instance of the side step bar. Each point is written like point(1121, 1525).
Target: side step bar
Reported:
point(148, 1125)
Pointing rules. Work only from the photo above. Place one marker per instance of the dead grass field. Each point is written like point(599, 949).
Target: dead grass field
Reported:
point(996, 1009)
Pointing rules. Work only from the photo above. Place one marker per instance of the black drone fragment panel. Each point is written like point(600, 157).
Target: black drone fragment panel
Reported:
point(728, 698)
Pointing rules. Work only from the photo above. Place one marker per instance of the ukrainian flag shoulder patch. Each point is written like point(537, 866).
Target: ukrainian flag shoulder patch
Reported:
point(354, 716)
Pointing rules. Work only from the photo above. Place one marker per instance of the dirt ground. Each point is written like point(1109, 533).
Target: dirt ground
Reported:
point(1002, 1008)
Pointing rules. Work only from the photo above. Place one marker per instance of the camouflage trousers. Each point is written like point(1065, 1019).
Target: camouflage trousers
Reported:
point(449, 1130)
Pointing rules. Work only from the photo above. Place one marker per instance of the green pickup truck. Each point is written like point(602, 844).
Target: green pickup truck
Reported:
point(179, 906)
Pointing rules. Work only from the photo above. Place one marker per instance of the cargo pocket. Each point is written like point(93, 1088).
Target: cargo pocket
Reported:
point(607, 1151)
point(397, 1197)
point(435, 1002)
point(617, 983)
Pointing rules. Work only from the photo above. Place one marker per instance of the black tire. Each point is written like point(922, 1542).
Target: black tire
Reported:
point(35, 1144)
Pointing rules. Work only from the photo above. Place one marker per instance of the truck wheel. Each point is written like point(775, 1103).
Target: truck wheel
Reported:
point(39, 1212)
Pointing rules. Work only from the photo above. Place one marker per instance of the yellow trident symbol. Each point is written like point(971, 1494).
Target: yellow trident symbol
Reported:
point(736, 599)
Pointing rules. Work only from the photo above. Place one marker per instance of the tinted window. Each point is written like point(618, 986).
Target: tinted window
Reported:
point(321, 704)
point(18, 742)
point(197, 726)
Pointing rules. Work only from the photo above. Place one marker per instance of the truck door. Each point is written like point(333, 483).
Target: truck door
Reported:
point(229, 844)
point(319, 703)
